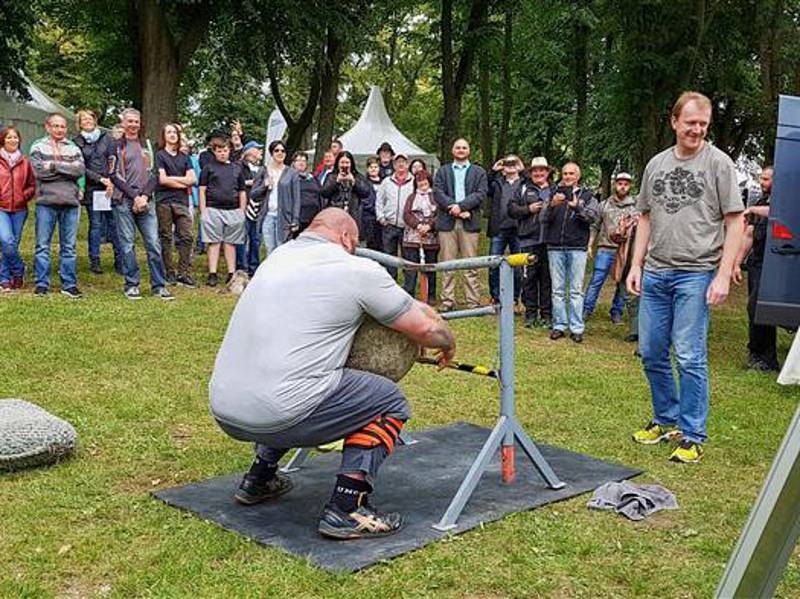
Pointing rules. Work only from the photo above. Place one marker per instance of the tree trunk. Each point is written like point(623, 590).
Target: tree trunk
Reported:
point(455, 79)
point(329, 89)
point(581, 58)
point(485, 111)
point(770, 70)
point(606, 171)
point(508, 98)
point(163, 60)
point(298, 130)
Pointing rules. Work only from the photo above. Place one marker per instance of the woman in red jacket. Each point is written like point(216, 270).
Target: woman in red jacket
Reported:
point(17, 188)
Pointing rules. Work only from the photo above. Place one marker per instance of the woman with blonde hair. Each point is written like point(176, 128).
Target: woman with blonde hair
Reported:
point(94, 143)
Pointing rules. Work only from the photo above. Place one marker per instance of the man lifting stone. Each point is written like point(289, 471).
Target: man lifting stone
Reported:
point(279, 379)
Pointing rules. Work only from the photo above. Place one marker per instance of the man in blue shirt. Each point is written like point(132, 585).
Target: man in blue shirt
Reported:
point(459, 189)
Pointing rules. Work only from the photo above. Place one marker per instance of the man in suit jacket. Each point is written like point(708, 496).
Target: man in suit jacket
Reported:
point(460, 187)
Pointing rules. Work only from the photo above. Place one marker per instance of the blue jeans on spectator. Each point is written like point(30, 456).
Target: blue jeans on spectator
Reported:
point(127, 222)
point(506, 239)
point(11, 264)
point(101, 221)
point(67, 218)
point(567, 268)
point(269, 232)
point(673, 313)
point(248, 253)
point(603, 263)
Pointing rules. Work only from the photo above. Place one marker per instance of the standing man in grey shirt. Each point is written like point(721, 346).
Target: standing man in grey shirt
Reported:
point(690, 229)
point(279, 379)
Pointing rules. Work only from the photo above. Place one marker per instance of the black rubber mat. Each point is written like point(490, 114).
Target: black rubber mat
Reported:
point(418, 480)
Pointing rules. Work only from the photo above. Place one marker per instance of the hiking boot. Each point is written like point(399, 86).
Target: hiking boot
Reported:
point(631, 338)
point(40, 291)
point(556, 334)
point(363, 523)
point(616, 319)
point(163, 294)
point(94, 266)
point(655, 433)
point(186, 281)
point(133, 293)
point(255, 490)
point(687, 452)
point(212, 280)
point(72, 293)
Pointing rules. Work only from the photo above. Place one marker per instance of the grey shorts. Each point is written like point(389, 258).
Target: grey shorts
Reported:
point(223, 226)
point(358, 400)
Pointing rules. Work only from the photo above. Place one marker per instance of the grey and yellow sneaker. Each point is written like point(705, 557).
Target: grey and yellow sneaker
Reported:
point(363, 523)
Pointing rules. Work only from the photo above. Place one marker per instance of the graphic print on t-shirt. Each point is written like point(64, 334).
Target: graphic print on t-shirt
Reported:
point(676, 189)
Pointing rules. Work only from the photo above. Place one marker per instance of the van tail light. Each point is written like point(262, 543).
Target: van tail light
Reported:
point(781, 231)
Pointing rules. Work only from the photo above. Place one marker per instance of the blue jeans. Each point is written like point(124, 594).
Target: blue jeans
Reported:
point(67, 218)
point(247, 253)
point(127, 222)
point(673, 313)
point(11, 264)
point(567, 268)
point(269, 232)
point(603, 263)
point(101, 221)
point(507, 238)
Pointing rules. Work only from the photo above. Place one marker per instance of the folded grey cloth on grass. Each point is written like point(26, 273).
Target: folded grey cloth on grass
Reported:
point(31, 436)
point(632, 501)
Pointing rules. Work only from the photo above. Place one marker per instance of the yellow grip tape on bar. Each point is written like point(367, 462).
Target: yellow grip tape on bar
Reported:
point(480, 370)
point(518, 260)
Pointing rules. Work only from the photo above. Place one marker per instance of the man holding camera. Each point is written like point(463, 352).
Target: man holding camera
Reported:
point(569, 216)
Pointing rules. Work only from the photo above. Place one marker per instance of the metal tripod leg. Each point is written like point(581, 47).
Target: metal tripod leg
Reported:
point(536, 457)
point(470, 481)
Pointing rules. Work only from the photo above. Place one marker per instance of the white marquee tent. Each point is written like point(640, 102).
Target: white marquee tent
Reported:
point(374, 127)
point(28, 115)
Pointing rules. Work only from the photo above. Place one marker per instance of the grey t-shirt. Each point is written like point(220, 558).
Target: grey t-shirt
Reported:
point(291, 332)
point(687, 201)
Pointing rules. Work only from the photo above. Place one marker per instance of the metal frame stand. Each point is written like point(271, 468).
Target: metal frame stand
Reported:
point(507, 430)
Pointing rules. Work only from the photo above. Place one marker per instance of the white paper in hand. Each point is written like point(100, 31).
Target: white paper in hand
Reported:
point(100, 201)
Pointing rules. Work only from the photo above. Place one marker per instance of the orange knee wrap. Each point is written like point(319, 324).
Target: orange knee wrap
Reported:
point(384, 430)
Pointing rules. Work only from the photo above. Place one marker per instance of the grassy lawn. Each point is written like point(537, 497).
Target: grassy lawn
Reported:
point(132, 376)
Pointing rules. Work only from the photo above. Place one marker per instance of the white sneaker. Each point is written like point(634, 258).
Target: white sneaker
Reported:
point(133, 293)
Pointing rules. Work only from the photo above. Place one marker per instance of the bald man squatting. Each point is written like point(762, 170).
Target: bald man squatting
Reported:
point(279, 379)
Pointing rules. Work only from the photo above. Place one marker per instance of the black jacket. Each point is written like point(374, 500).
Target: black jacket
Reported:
point(94, 158)
point(310, 199)
point(569, 229)
point(348, 198)
point(475, 189)
point(499, 217)
point(532, 230)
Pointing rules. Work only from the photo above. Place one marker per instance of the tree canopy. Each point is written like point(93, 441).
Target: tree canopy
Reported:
point(590, 80)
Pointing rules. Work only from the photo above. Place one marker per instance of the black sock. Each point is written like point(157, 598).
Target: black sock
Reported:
point(263, 470)
point(347, 492)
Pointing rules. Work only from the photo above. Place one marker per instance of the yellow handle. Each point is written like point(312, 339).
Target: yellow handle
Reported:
point(518, 259)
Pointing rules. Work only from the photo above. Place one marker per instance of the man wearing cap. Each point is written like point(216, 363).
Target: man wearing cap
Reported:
point(390, 201)
point(386, 160)
point(460, 187)
point(526, 208)
point(689, 232)
point(248, 253)
point(613, 210)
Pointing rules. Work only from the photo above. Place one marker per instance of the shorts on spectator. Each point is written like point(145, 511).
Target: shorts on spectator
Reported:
point(223, 226)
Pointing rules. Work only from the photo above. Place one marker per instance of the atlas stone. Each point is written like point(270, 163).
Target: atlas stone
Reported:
point(30, 436)
point(381, 350)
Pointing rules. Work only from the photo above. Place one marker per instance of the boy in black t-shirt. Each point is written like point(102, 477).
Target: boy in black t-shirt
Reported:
point(222, 204)
point(175, 180)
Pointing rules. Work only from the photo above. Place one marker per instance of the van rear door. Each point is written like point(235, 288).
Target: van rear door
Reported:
point(779, 292)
